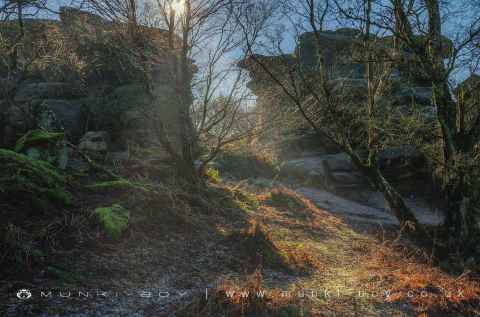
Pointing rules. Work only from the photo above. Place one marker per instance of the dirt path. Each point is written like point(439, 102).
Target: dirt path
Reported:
point(334, 254)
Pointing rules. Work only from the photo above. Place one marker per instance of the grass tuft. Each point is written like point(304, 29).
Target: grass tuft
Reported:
point(113, 219)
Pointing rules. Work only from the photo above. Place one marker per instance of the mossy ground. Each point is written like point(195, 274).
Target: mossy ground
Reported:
point(229, 236)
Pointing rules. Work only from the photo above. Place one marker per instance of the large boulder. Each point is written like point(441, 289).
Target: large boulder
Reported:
point(121, 111)
point(46, 146)
point(336, 171)
point(337, 48)
point(49, 115)
point(333, 171)
point(339, 162)
point(69, 113)
point(94, 142)
point(401, 162)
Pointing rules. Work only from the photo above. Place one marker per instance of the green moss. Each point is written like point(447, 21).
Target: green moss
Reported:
point(37, 137)
point(113, 219)
point(31, 179)
point(214, 175)
point(46, 146)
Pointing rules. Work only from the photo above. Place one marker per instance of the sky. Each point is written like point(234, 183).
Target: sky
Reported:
point(457, 13)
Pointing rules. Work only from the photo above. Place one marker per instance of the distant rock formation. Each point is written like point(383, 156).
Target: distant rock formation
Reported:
point(408, 90)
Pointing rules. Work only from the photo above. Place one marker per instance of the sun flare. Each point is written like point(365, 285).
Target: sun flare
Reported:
point(178, 6)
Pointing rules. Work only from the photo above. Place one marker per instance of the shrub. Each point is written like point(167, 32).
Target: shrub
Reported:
point(246, 165)
point(214, 175)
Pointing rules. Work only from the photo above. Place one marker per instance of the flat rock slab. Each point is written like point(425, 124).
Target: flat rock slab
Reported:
point(360, 212)
point(425, 212)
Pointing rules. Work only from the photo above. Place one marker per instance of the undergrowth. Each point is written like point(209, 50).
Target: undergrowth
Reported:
point(35, 181)
point(255, 244)
point(248, 298)
point(248, 164)
point(410, 276)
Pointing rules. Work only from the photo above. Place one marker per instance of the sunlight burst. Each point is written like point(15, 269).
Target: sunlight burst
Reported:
point(178, 6)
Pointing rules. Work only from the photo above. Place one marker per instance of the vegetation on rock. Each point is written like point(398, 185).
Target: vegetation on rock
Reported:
point(24, 178)
point(44, 145)
point(38, 138)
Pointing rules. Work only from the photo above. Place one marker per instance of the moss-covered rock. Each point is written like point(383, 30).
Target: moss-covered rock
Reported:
point(44, 145)
point(38, 138)
point(114, 219)
point(23, 178)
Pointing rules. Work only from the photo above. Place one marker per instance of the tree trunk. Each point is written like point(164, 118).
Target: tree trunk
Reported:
point(395, 201)
point(184, 77)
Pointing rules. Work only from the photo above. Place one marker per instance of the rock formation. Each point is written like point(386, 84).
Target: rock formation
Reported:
point(341, 50)
point(90, 77)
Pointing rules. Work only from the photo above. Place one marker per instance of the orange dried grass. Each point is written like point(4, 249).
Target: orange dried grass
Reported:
point(427, 288)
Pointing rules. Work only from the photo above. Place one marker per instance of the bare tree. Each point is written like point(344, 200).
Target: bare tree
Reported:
point(322, 104)
point(17, 60)
point(418, 26)
point(207, 30)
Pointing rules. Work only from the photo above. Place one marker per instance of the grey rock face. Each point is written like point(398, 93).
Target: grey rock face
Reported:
point(329, 171)
point(333, 45)
point(400, 152)
point(401, 162)
point(69, 114)
point(336, 171)
point(339, 162)
point(28, 117)
point(46, 90)
point(94, 142)
point(373, 208)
